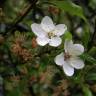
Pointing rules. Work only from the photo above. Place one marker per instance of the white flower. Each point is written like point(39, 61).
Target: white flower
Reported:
point(70, 58)
point(48, 33)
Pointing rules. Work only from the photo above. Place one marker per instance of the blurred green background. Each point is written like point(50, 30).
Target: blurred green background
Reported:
point(27, 69)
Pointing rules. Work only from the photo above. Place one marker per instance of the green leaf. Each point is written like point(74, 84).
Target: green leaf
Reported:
point(92, 4)
point(88, 58)
point(91, 76)
point(86, 36)
point(70, 7)
point(92, 51)
point(68, 36)
point(86, 91)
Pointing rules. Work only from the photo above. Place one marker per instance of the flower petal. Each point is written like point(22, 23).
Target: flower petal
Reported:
point(76, 49)
point(47, 24)
point(68, 45)
point(73, 49)
point(42, 41)
point(36, 28)
point(55, 41)
point(59, 59)
point(77, 63)
point(69, 70)
point(60, 29)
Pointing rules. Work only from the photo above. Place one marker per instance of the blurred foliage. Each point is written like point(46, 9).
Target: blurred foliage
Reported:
point(27, 69)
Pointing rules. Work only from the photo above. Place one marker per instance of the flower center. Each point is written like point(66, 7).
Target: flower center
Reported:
point(66, 56)
point(51, 34)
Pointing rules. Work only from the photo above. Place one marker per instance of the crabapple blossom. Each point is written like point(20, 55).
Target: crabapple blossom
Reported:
point(69, 59)
point(48, 33)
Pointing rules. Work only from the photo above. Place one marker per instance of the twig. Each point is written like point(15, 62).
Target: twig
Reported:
point(16, 21)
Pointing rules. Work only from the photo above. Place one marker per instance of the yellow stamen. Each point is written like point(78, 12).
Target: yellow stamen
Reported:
point(51, 34)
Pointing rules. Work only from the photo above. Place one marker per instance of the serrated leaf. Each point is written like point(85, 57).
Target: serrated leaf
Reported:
point(91, 76)
point(70, 7)
point(88, 58)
